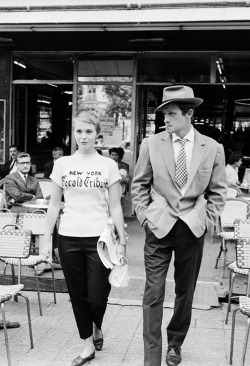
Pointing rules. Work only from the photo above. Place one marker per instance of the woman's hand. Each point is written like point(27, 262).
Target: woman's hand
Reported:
point(121, 250)
point(46, 249)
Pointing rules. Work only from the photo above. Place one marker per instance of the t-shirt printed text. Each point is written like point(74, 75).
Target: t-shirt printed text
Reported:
point(91, 180)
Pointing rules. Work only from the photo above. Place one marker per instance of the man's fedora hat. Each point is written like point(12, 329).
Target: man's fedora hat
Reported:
point(179, 93)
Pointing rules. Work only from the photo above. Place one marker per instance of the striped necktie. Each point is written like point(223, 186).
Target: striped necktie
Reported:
point(181, 165)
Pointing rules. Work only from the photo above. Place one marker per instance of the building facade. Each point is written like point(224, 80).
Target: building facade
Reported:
point(116, 57)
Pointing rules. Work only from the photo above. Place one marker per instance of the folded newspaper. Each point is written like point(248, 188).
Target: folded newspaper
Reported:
point(107, 245)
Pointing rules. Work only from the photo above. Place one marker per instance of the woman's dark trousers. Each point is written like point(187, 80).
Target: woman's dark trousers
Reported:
point(87, 281)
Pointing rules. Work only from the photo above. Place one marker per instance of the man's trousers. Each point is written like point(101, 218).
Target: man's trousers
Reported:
point(158, 252)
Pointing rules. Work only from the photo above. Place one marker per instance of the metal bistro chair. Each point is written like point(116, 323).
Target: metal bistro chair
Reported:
point(3, 202)
point(35, 222)
point(243, 261)
point(45, 185)
point(8, 218)
point(16, 243)
point(235, 208)
point(241, 231)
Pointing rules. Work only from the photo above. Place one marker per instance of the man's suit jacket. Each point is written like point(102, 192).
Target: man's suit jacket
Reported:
point(48, 167)
point(157, 197)
point(19, 191)
point(6, 168)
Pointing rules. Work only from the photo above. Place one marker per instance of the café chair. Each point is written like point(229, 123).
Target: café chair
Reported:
point(243, 261)
point(235, 208)
point(6, 293)
point(246, 178)
point(14, 242)
point(35, 222)
point(7, 217)
point(3, 201)
point(45, 185)
point(241, 231)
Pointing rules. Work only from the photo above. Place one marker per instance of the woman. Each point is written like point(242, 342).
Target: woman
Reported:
point(232, 168)
point(83, 178)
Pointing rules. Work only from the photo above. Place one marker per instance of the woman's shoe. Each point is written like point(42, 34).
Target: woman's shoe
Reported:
point(79, 361)
point(98, 343)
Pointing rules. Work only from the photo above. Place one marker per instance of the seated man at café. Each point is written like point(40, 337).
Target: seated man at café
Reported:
point(232, 168)
point(21, 187)
point(57, 153)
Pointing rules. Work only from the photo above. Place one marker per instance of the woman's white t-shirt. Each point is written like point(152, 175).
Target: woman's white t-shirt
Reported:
point(84, 179)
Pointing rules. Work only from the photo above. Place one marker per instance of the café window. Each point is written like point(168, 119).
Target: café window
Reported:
point(44, 122)
point(2, 129)
point(106, 87)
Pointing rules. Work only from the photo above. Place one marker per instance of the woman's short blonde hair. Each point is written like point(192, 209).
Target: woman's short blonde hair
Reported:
point(88, 116)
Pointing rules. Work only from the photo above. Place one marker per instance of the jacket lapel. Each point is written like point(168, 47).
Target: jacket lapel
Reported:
point(167, 152)
point(18, 176)
point(197, 156)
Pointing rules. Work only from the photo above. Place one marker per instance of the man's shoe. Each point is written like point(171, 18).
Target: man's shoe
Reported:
point(10, 324)
point(56, 265)
point(98, 343)
point(173, 357)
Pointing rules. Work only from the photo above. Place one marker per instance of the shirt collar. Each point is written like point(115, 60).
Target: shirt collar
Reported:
point(189, 136)
point(22, 175)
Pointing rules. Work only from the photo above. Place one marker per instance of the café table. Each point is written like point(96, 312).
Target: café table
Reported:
point(38, 204)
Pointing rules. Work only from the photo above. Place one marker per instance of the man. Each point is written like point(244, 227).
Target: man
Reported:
point(20, 186)
point(116, 153)
point(57, 153)
point(11, 165)
point(232, 168)
point(178, 191)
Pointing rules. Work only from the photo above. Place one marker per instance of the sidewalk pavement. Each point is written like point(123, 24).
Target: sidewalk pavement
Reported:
point(56, 338)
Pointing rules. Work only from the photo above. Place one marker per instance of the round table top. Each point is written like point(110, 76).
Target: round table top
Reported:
point(34, 204)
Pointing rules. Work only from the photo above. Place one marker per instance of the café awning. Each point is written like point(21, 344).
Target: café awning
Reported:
point(30, 16)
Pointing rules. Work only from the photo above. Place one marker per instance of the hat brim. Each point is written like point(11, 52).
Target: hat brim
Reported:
point(195, 101)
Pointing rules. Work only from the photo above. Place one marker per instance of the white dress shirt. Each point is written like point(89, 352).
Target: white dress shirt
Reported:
point(232, 175)
point(23, 176)
point(13, 168)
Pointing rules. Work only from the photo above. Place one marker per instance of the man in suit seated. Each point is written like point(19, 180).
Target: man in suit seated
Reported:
point(21, 187)
point(11, 165)
point(57, 153)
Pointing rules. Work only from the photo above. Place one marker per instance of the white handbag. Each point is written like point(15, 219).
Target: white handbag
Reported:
point(119, 276)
